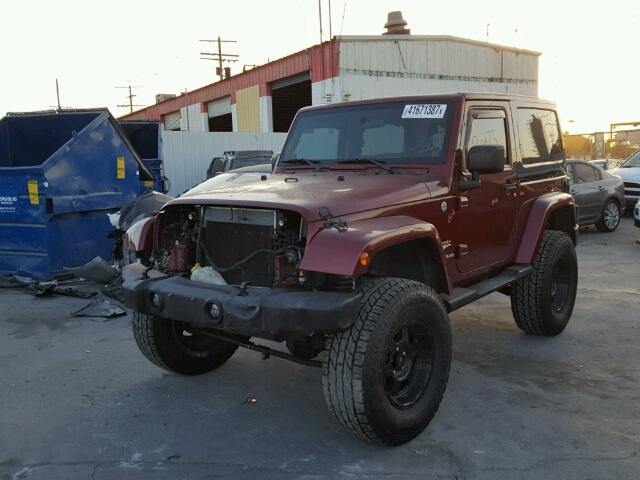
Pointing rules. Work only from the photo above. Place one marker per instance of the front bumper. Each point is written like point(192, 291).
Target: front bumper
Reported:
point(254, 311)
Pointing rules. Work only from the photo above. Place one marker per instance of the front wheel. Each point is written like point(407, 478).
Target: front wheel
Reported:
point(384, 377)
point(172, 345)
point(542, 303)
point(610, 218)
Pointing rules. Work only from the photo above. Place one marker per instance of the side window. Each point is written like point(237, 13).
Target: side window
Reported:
point(584, 173)
point(487, 127)
point(539, 136)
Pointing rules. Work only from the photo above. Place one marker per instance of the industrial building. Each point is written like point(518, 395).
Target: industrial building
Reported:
point(346, 68)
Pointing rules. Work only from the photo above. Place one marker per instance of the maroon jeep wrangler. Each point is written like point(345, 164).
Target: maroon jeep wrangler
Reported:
point(379, 218)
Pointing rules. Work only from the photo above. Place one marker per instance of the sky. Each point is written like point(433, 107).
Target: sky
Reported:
point(589, 65)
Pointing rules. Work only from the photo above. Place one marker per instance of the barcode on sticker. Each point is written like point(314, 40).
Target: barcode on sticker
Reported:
point(424, 110)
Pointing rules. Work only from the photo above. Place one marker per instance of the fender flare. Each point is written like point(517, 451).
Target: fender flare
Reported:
point(139, 236)
point(338, 252)
point(539, 216)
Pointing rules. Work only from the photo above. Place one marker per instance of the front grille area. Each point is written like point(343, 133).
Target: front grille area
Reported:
point(631, 190)
point(252, 245)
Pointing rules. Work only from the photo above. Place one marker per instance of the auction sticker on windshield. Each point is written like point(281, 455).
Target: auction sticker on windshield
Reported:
point(425, 110)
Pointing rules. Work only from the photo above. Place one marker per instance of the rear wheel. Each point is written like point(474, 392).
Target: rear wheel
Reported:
point(610, 218)
point(542, 303)
point(173, 346)
point(384, 378)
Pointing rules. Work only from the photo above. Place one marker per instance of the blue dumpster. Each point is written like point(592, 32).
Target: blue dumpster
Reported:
point(60, 174)
point(147, 142)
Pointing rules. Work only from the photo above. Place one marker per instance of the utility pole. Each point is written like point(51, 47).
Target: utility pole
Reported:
point(219, 56)
point(320, 18)
point(58, 95)
point(330, 31)
point(130, 97)
point(186, 107)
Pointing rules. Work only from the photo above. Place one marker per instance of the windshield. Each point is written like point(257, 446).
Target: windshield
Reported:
point(632, 161)
point(399, 132)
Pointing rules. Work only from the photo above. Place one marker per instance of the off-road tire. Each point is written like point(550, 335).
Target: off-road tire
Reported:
point(353, 377)
point(158, 341)
point(532, 298)
point(607, 210)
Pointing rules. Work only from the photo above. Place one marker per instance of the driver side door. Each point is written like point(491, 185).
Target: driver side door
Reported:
point(488, 212)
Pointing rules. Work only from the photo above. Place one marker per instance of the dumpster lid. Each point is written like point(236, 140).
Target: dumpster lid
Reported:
point(145, 173)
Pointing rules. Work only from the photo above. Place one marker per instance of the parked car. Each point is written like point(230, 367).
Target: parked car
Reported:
point(237, 159)
point(603, 163)
point(380, 218)
point(599, 195)
point(629, 171)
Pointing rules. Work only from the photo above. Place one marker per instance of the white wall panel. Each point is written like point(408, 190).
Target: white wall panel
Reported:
point(186, 155)
point(326, 91)
point(193, 120)
point(472, 65)
point(361, 87)
point(266, 113)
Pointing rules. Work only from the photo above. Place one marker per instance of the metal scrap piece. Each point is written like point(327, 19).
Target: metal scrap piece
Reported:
point(100, 308)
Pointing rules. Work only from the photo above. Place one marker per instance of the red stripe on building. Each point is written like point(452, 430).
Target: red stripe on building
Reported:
point(321, 60)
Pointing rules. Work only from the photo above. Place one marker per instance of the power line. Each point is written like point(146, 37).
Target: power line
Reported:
point(220, 57)
point(344, 11)
point(130, 97)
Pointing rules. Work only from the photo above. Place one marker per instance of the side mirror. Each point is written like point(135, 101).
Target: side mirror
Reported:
point(274, 160)
point(485, 159)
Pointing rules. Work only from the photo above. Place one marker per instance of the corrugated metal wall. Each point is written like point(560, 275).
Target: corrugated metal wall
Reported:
point(320, 60)
point(186, 155)
point(433, 65)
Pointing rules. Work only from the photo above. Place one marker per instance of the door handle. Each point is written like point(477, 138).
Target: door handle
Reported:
point(601, 188)
point(573, 192)
point(511, 185)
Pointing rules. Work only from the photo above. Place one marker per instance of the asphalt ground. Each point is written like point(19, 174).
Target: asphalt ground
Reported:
point(78, 400)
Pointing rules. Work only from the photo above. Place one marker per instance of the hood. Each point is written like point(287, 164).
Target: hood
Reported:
point(342, 193)
point(627, 174)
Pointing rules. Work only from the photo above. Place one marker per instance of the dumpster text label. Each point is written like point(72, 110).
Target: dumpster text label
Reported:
point(8, 204)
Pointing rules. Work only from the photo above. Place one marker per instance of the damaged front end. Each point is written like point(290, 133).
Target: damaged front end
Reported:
point(237, 270)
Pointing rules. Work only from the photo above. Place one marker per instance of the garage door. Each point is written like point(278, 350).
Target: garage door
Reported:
point(221, 106)
point(172, 121)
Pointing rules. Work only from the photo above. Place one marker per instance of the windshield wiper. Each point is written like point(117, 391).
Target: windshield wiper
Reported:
point(313, 163)
point(377, 163)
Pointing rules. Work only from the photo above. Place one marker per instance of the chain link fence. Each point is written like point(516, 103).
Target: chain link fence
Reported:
point(613, 146)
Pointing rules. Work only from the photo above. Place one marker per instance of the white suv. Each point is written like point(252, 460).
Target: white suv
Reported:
point(630, 173)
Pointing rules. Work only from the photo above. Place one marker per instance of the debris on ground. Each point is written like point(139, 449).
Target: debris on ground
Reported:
point(49, 289)
point(250, 400)
point(100, 308)
point(96, 270)
point(113, 289)
point(14, 281)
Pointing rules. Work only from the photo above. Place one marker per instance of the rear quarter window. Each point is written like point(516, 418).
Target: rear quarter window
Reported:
point(539, 136)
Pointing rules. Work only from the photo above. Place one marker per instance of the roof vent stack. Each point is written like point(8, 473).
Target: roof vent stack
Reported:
point(396, 25)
